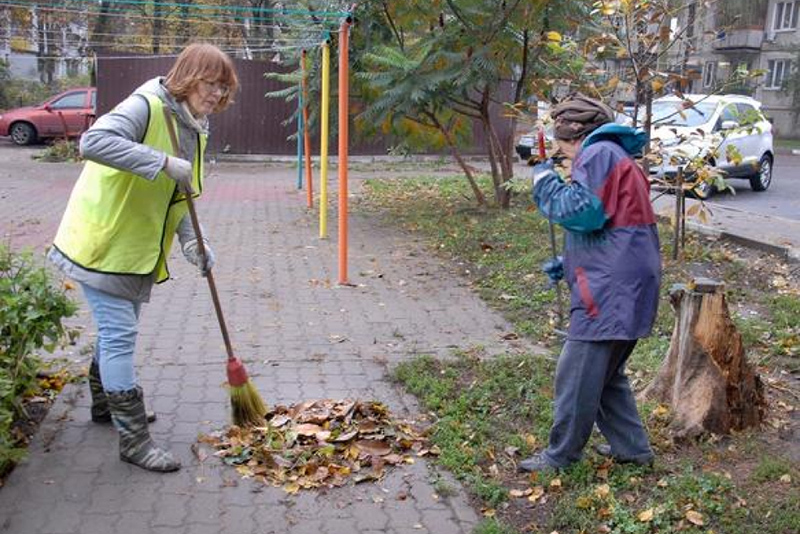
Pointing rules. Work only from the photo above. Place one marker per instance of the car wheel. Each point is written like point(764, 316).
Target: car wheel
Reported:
point(761, 181)
point(23, 133)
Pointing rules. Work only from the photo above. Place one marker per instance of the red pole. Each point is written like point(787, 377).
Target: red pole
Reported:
point(344, 68)
point(542, 152)
point(307, 135)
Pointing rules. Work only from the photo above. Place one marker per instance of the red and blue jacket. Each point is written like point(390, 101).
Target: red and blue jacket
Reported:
point(612, 261)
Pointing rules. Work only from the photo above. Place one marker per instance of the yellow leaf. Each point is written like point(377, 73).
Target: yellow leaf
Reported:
point(658, 84)
point(292, 488)
point(695, 518)
point(555, 483)
point(661, 410)
point(602, 490)
point(553, 37)
point(516, 493)
point(786, 479)
point(646, 516)
point(489, 512)
point(536, 494)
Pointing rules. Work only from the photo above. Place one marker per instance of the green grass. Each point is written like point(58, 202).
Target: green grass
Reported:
point(787, 143)
point(492, 412)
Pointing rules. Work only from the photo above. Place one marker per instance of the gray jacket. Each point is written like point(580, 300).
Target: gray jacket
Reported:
point(115, 140)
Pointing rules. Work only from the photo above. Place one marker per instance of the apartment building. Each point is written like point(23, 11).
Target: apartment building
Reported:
point(747, 35)
point(38, 45)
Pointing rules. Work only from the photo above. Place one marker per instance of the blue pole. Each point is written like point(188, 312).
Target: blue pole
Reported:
point(300, 139)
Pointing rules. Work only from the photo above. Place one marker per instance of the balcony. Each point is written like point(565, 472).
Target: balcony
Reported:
point(748, 39)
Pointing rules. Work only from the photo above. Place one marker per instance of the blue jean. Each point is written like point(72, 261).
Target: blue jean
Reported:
point(117, 322)
point(590, 387)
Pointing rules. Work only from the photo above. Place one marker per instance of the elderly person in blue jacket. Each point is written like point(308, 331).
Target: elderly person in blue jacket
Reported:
point(126, 207)
point(613, 268)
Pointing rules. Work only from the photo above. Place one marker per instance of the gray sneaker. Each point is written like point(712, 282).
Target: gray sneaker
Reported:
point(135, 445)
point(535, 464)
point(604, 449)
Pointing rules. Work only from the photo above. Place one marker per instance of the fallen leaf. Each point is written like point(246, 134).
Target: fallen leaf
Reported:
point(786, 479)
point(536, 493)
point(695, 518)
point(602, 490)
point(646, 515)
point(373, 447)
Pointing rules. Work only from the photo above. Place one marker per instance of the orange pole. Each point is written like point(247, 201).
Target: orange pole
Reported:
point(344, 61)
point(307, 135)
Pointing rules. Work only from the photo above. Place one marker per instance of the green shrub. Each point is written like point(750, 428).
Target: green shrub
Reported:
point(16, 92)
point(59, 152)
point(31, 313)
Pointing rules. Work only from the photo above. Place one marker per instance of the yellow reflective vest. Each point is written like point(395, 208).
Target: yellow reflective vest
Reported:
point(118, 222)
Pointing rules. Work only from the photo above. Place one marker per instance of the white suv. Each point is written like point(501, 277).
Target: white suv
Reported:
point(702, 125)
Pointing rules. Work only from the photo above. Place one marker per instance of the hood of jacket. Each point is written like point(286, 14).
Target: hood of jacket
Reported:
point(633, 140)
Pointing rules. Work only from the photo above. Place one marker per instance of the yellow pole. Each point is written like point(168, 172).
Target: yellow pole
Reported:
point(323, 142)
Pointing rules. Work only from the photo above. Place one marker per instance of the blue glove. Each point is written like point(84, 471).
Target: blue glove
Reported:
point(554, 268)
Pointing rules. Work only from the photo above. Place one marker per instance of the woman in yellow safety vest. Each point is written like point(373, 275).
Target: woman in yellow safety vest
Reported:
point(116, 233)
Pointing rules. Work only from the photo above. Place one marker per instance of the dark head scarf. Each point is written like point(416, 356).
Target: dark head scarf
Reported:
point(577, 116)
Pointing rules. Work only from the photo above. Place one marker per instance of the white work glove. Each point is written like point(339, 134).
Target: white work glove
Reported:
point(190, 249)
point(192, 254)
point(180, 170)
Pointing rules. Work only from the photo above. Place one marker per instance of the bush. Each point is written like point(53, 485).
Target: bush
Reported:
point(31, 313)
point(60, 151)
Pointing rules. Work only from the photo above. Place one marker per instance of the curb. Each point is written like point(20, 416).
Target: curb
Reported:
point(784, 252)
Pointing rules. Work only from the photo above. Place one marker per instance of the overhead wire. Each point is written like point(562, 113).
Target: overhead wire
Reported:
point(94, 11)
point(282, 11)
point(283, 42)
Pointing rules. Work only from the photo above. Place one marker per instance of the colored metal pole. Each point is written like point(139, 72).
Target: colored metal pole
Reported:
point(300, 140)
point(323, 142)
point(307, 134)
point(344, 73)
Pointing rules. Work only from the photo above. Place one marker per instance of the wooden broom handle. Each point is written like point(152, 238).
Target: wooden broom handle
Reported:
point(201, 245)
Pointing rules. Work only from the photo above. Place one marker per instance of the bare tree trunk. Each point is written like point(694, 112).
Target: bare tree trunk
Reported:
point(706, 378)
point(102, 26)
point(158, 27)
point(479, 198)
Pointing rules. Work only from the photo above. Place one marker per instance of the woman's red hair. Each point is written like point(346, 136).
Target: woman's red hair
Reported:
point(202, 62)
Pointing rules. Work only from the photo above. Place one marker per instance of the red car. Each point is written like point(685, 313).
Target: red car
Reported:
point(73, 110)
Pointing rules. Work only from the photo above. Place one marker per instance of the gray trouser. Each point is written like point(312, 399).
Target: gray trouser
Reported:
point(590, 387)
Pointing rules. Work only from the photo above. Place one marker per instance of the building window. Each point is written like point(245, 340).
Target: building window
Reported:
point(785, 16)
point(709, 73)
point(777, 72)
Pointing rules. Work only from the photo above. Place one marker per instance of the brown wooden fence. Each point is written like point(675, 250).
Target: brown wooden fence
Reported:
point(252, 125)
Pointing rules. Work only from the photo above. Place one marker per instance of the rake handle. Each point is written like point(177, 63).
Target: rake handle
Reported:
point(201, 246)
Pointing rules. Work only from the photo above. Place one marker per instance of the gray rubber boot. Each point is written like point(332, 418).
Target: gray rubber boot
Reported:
point(135, 445)
point(100, 411)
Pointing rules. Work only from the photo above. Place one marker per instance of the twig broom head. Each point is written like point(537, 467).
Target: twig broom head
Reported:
point(247, 406)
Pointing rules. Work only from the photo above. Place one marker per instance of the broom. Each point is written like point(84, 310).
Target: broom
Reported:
point(246, 404)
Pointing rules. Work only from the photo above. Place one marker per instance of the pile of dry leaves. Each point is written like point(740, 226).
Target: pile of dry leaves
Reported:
point(320, 443)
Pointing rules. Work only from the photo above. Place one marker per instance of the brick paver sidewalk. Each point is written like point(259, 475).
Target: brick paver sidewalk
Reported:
point(301, 337)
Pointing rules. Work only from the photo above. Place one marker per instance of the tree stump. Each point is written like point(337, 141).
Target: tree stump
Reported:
point(706, 378)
